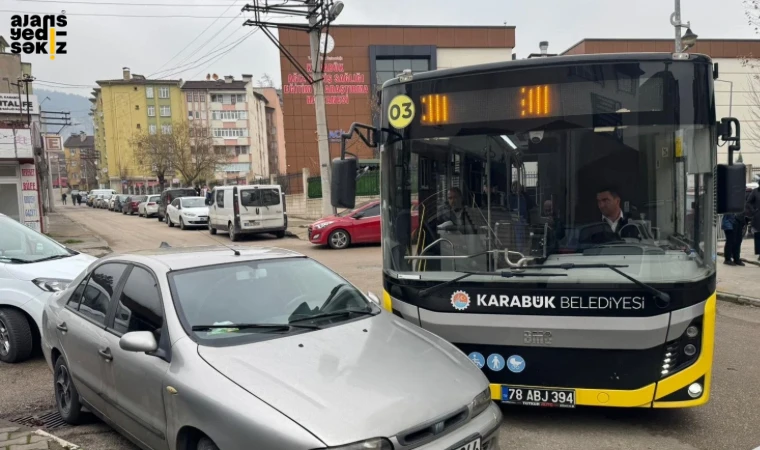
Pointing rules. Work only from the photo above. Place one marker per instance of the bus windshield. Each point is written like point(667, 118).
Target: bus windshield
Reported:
point(610, 177)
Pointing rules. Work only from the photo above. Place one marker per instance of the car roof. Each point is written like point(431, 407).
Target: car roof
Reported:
point(180, 258)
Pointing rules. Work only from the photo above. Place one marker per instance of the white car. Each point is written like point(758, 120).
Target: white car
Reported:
point(187, 212)
point(149, 207)
point(32, 268)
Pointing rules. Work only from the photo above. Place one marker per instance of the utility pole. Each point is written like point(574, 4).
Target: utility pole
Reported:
point(320, 14)
point(319, 105)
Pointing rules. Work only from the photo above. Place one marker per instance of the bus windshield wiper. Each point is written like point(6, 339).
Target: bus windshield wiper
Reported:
point(613, 267)
point(504, 274)
point(251, 326)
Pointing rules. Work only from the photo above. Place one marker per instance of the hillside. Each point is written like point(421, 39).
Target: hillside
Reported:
point(77, 105)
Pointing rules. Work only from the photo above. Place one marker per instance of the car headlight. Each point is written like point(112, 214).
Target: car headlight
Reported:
point(370, 444)
point(322, 225)
point(189, 214)
point(480, 403)
point(51, 284)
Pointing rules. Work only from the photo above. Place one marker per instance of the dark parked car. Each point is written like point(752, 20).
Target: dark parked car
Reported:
point(118, 204)
point(131, 203)
point(168, 196)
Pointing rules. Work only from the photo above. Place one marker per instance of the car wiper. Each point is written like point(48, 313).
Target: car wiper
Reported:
point(15, 260)
point(342, 313)
point(504, 274)
point(50, 258)
point(613, 267)
point(251, 326)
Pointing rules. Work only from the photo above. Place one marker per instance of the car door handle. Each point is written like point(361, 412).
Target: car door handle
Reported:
point(105, 354)
point(62, 326)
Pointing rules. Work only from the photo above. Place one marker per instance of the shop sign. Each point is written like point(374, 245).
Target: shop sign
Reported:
point(30, 193)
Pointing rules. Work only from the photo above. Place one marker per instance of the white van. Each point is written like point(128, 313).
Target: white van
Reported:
point(247, 210)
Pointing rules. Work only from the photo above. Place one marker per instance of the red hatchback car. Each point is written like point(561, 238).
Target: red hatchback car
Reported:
point(359, 225)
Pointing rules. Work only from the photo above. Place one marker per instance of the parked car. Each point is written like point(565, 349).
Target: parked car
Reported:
point(94, 193)
point(32, 267)
point(149, 207)
point(118, 204)
point(168, 196)
point(131, 203)
point(214, 347)
point(360, 225)
point(187, 212)
point(96, 203)
point(247, 210)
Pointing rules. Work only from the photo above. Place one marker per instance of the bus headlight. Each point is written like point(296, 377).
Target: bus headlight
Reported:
point(690, 350)
point(692, 331)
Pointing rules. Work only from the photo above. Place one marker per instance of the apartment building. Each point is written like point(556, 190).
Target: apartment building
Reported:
point(80, 161)
point(234, 115)
point(275, 129)
point(123, 108)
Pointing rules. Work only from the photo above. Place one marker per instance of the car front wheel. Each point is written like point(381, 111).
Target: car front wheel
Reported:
point(66, 395)
point(339, 239)
point(206, 444)
point(15, 336)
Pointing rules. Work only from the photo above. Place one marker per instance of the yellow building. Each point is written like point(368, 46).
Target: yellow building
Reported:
point(123, 108)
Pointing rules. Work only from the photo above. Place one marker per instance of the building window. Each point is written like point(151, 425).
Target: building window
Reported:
point(231, 132)
point(163, 92)
point(215, 99)
point(166, 129)
point(241, 150)
point(203, 97)
point(229, 115)
point(385, 69)
point(189, 97)
point(151, 111)
point(166, 111)
point(138, 126)
point(152, 129)
point(241, 98)
point(149, 92)
point(197, 114)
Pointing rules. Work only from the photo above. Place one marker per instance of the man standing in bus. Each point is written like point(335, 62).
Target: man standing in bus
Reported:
point(457, 213)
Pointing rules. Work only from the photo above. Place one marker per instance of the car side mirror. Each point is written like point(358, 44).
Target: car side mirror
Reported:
point(139, 342)
point(374, 298)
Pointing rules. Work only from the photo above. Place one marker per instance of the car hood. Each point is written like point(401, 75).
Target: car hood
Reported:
point(64, 269)
point(332, 219)
point(376, 376)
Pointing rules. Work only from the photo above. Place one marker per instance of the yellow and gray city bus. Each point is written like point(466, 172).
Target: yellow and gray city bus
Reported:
point(534, 214)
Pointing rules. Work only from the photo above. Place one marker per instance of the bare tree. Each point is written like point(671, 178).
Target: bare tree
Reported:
point(193, 151)
point(154, 153)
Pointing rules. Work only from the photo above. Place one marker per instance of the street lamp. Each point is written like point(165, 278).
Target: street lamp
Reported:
point(335, 10)
point(686, 41)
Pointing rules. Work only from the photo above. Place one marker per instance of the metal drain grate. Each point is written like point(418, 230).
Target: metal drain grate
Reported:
point(48, 420)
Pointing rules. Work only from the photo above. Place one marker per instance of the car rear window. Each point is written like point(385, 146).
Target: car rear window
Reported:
point(260, 197)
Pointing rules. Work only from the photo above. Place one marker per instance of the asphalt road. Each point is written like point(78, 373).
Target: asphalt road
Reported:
point(730, 421)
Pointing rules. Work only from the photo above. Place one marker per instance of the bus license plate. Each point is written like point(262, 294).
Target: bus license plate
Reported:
point(472, 445)
point(553, 398)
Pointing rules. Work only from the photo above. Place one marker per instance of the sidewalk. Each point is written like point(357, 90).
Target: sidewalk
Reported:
point(747, 253)
point(17, 437)
point(299, 227)
point(75, 236)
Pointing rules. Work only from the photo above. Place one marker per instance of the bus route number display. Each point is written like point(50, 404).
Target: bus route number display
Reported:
point(401, 111)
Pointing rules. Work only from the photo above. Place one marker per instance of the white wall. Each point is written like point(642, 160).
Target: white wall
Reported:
point(459, 57)
point(731, 70)
point(257, 120)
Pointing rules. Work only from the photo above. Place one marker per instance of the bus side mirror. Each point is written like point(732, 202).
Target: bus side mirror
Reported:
point(731, 188)
point(343, 183)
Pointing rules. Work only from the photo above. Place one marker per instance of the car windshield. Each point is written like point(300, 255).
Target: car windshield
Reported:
point(193, 202)
point(20, 244)
point(260, 197)
point(273, 292)
point(153, 198)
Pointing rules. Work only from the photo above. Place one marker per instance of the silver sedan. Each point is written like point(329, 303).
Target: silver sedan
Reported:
point(219, 348)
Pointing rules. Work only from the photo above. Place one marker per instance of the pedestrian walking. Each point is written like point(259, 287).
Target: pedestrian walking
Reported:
point(79, 199)
point(733, 226)
point(752, 211)
point(63, 198)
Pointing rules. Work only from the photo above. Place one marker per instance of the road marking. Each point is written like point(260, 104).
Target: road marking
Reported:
point(61, 442)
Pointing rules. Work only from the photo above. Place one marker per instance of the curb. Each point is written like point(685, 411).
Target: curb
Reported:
point(748, 261)
point(57, 440)
point(738, 299)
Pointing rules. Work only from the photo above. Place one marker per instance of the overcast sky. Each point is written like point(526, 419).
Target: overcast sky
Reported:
point(99, 46)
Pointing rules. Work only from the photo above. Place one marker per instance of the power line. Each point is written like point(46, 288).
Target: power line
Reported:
point(196, 38)
point(65, 84)
point(202, 60)
point(183, 5)
point(173, 16)
point(223, 54)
